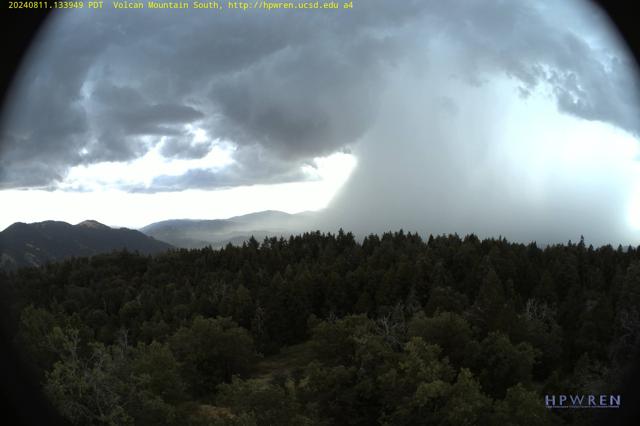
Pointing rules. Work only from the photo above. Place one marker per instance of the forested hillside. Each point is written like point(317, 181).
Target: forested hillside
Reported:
point(34, 244)
point(320, 329)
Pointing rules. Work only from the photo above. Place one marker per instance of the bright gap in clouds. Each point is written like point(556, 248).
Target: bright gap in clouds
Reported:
point(556, 142)
point(140, 172)
point(589, 157)
point(134, 210)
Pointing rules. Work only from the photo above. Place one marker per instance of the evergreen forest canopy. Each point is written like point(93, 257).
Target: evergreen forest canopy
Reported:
point(320, 329)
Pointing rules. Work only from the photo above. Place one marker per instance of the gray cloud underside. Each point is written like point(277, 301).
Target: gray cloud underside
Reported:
point(108, 86)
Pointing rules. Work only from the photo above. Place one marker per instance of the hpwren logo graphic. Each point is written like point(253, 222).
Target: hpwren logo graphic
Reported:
point(582, 401)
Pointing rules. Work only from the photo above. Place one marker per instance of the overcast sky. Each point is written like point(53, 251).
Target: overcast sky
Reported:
point(513, 118)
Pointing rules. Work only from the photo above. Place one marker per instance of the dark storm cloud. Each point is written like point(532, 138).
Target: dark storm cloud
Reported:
point(121, 118)
point(151, 119)
point(45, 123)
point(302, 85)
point(184, 148)
point(128, 109)
point(298, 104)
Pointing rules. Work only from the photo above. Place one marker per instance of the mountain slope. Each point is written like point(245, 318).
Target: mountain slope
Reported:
point(218, 232)
point(35, 244)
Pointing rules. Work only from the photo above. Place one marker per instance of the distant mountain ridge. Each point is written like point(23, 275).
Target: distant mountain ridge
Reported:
point(198, 233)
point(35, 244)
